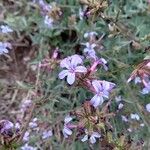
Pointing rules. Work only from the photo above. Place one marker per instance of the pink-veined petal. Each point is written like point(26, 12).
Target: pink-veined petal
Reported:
point(80, 69)
point(97, 100)
point(65, 63)
point(106, 85)
point(75, 60)
point(71, 78)
point(97, 85)
point(63, 74)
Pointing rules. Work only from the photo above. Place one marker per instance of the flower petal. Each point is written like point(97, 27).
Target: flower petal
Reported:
point(97, 100)
point(65, 63)
point(96, 134)
point(66, 131)
point(75, 60)
point(71, 78)
point(97, 85)
point(63, 73)
point(67, 119)
point(80, 69)
point(85, 138)
point(92, 139)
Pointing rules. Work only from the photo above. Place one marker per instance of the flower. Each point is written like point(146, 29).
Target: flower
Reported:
point(71, 63)
point(6, 126)
point(137, 80)
point(27, 147)
point(89, 50)
point(33, 123)
point(146, 89)
point(66, 130)
point(118, 98)
point(135, 117)
point(120, 106)
point(47, 134)
point(89, 34)
point(5, 29)
point(26, 136)
point(124, 118)
point(102, 89)
point(148, 107)
point(48, 21)
point(92, 138)
point(4, 47)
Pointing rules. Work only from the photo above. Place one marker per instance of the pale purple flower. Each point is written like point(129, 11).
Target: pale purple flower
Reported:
point(5, 29)
point(135, 117)
point(47, 134)
point(148, 107)
point(92, 138)
point(26, 136)
point(48, 21)
point(6, 126)
point(71, 65)
point(124, 118)
point(102, 89)
point(89, 50)
point(26, 103)
point(66, 130)
point(27, 147)
point(4, 47)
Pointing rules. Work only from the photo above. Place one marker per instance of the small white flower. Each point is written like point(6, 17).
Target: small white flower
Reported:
point(142, 125)
point(137, 80)
point(47, 134)
point(148, 107)
point(17, 125)
point(5, 29)
point(48, 21)
point(135, 117)
point(33, 123)
point(89, 50)
point(120, 106)
point(92, 138)
point(66, 130)
point(129, 129)
point(27, 147)
point(4, 47)
point(118, 98)
point(124, 118)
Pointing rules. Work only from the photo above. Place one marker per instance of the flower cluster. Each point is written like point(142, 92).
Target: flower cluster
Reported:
point(141, 75)
point(51, 13)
